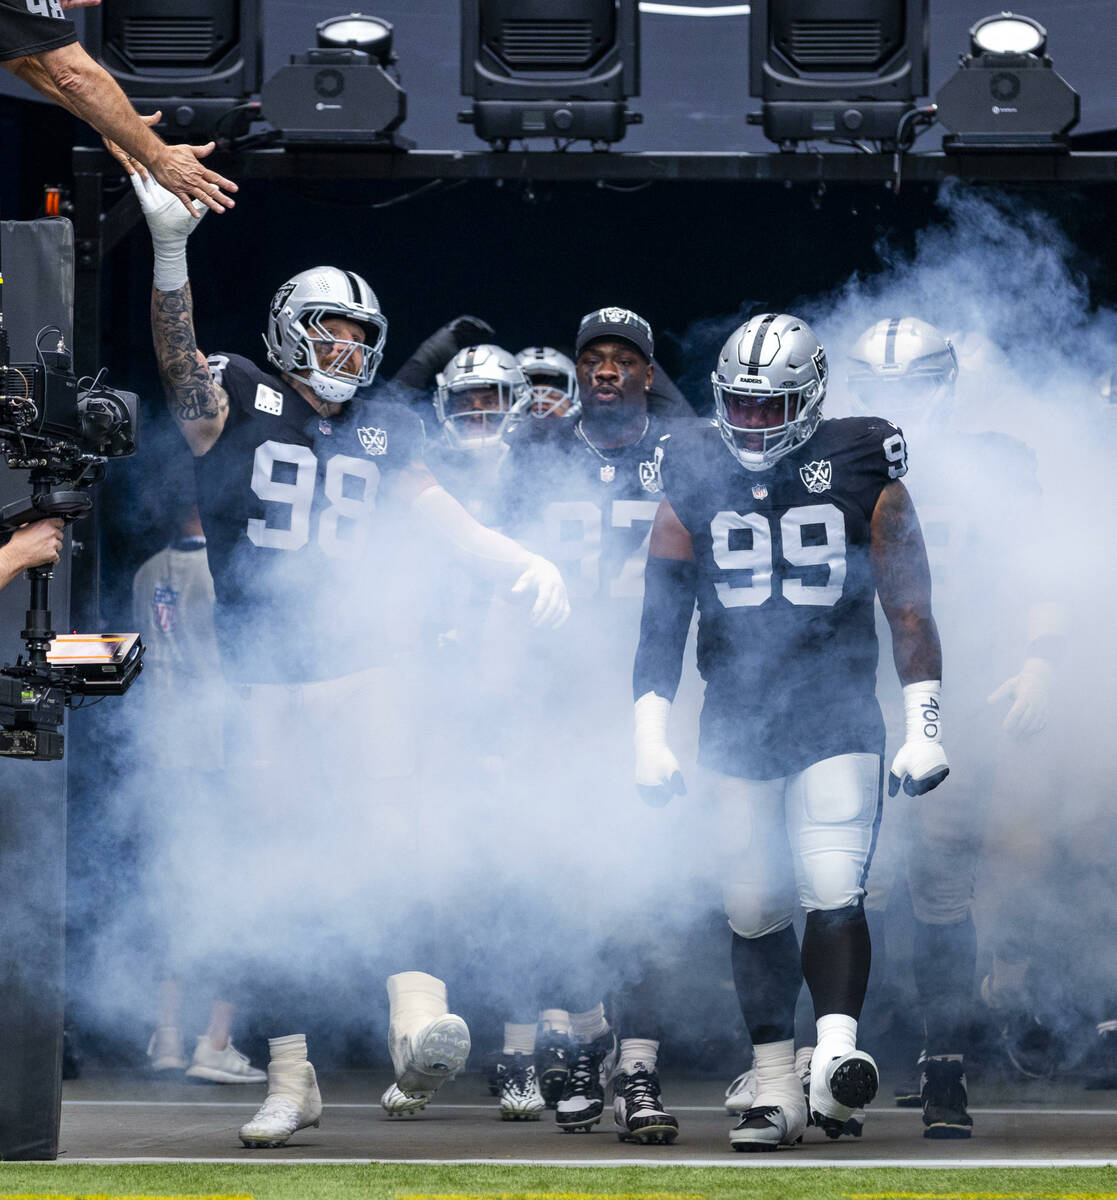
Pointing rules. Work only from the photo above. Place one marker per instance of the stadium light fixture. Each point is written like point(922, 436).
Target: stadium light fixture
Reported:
point(356, 31)
point(1006, 95)
point(836, 70)
point(550, 68)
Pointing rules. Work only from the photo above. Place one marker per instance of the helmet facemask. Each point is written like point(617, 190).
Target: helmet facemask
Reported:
point(353, 366)
point(759, 426)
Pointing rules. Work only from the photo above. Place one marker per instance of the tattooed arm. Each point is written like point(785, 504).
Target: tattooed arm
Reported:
point(199, 405)
point(903, 582)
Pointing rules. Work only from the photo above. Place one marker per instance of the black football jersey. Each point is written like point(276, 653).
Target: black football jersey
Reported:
point(288, 500)
point(786, 637)
point(589, 511)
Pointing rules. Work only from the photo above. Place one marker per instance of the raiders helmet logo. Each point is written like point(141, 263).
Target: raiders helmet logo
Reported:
point(374, 441)
point(816, 476)
point(280, 298)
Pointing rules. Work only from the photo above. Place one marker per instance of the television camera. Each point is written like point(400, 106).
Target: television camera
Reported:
point(62, 430)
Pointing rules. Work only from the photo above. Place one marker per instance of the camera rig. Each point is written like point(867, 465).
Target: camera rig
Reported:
point(62, 430)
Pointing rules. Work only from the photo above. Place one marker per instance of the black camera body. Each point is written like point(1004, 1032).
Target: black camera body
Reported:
point(62, 430)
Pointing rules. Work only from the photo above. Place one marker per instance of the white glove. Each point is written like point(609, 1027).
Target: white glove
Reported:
point(551, 607)
point(920, 764)
point(658, 776)
point(1028, 691)
point(170, 226)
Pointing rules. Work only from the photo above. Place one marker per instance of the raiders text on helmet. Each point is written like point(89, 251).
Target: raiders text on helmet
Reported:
point(904, 369)
point(475, 393)
point(769, 385)
point(295, 325)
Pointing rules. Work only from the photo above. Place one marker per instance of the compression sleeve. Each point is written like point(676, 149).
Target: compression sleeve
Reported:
point(670, 586)
point(490, 552)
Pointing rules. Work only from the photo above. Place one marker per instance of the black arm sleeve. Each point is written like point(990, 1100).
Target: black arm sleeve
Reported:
point(433, 354)
point(664, 398)
point(427, 360)
point(670, 586)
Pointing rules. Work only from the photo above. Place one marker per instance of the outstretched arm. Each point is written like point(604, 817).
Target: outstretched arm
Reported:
point(71, 78)
point(903, 581)
point(492, 554)
point(197, 402)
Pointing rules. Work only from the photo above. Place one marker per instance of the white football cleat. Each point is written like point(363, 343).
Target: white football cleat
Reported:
point(520, 1097)
point(839, 1089)
point(223, 1066)
point(166, 1050)
point(396, 1104)
point(293, 1102)
point(426, 1058)
point(777, 1117)
point(428, 1043)
point(741, 1093)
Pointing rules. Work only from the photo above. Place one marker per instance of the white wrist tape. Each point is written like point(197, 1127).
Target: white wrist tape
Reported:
point(170, 265)
point(651, 713)
point(923, 711)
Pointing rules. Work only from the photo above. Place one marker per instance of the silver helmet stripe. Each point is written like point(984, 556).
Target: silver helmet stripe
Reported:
point(890, 340)
point(758, 343)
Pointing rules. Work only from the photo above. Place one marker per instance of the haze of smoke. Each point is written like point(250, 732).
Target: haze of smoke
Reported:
point(517, 860)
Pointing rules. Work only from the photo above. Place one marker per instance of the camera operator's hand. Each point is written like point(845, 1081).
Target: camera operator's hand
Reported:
point(170, 226)
point(34, 545)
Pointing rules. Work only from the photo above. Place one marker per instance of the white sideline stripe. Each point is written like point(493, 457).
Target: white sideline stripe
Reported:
point(691, 10)
point(737, 1162)
point(908, 1114)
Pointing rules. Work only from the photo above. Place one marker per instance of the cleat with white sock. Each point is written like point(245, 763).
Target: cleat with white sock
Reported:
point(845, 1084)
point(222, 1066)
point(520, 1097)
point(740, 1095)
point(166, 1050)
point(637, 1109)
point(777, 1115)
point(396, 1104)
point(428, 1044)
point(855, 1125)
point(583, 1098)
point(293, 1102)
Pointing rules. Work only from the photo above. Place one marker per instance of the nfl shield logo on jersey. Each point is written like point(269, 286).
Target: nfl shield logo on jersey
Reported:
point(164, 605)
point(759, 491)
point(649, 475)
point(816, 475)
point(374, 441)
point(608, 473)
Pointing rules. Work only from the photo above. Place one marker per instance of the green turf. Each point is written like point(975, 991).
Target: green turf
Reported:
point(391, 1181)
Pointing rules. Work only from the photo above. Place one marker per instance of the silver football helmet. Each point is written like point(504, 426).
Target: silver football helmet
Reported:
point(904, 369)
point(769, 385)
point(295, 328)
point(475, 392)
point(553, 383)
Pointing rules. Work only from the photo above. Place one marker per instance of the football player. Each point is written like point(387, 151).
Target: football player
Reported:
point(783, 526)
point(296, 491)
point(969, 488)
point(585, 490)
point(554, 389)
